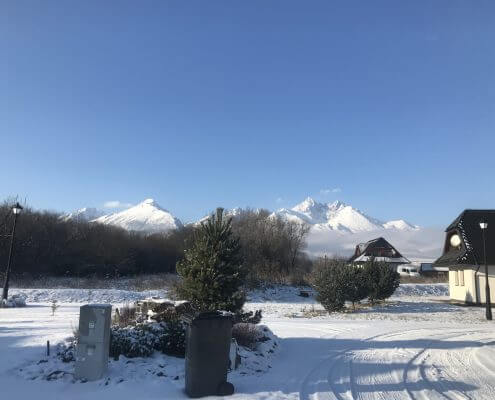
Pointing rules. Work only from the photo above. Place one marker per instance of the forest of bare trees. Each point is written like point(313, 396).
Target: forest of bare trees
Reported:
point(46, 245)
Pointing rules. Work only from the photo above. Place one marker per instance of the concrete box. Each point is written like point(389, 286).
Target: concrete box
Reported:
point(94, 341)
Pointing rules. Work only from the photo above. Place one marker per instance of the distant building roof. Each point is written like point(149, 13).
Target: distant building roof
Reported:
point(470, 252)
point(377, 249)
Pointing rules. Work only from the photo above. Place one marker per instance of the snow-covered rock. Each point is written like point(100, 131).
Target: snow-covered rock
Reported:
point(147, 216)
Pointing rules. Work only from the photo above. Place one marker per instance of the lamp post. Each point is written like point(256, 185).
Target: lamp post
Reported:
point(16, 210)
point(484, 227)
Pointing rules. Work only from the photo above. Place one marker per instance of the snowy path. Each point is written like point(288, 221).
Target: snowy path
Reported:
point(408, 364)
point(438, 356)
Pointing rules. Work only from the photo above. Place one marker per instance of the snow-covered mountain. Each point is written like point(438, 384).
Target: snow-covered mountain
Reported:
point(338, 216)
point(233, 212)
point(83, 214)
point(147, 216)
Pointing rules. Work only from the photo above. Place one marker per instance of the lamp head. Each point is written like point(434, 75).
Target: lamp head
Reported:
point(17, 208)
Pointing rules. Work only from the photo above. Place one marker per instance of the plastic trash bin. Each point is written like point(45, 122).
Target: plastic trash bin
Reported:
point(208, 339)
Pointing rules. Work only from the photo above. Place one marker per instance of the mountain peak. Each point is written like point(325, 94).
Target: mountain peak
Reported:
point(306, 205)
point(400, 224)
point(336, 205)
point(148, 201)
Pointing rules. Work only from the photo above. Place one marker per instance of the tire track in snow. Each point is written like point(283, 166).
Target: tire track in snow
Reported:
point(330, 362)
point(421, 356)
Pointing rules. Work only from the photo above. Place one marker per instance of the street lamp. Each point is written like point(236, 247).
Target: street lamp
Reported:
point(16, 210)
point(484, 227)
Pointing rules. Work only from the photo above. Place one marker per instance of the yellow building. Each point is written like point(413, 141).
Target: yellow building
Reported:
point(464, 255)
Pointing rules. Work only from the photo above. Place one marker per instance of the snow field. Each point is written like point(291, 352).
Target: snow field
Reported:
point(416, 347)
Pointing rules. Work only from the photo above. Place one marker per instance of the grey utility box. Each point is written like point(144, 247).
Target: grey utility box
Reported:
point(208, 339)
point(94, 341)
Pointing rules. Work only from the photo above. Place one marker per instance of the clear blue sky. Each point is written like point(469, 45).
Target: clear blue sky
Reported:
point(258, 103)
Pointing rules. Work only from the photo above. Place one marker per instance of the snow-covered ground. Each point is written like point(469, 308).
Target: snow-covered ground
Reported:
point(415, 347)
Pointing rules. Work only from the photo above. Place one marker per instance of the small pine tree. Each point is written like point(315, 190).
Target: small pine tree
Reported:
point(212, 272)
point(381, 279)
point(54, 307)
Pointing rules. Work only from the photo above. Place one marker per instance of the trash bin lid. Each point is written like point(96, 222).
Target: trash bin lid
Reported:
point(189, 318)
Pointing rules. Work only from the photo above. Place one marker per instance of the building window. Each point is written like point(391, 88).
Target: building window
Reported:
point(461, 278)
point(456, 278)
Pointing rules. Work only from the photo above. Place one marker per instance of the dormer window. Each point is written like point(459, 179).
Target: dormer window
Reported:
point(455, 241)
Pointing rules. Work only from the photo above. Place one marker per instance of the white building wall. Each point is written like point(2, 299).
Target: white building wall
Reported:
point(482, 281)
point(467, 286)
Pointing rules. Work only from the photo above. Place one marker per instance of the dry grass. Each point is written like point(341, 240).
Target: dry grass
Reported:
point(137, 283)
point(125, 315)
point(246, 335)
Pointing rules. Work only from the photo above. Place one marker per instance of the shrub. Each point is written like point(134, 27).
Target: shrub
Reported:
point(381, 281)
point(67, 351)
point(356, 288)
point(247, 335)
point(132, 341)
point(143, 339)
point(173, 340)
point(330, 283)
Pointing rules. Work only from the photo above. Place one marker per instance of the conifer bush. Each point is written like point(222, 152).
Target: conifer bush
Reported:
point(212, 272)
point(382, 281)
point(330, 283)
point(337, 282)
point(356, 287)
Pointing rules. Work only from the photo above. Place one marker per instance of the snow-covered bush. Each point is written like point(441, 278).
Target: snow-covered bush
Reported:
point(382, 281)
point(173, 340)
point(66, 351)
point(17, 300)
point(143, 339)
point(330, 283)
point(247, 335)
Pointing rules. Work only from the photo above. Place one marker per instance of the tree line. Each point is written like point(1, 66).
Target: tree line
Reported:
point(272, 248)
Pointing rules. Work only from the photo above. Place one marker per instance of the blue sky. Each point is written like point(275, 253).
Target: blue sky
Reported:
point(386, 105)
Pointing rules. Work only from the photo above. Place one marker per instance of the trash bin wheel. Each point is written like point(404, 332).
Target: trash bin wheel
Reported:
point(225, 389)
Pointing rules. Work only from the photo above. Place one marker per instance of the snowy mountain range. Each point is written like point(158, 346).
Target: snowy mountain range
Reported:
point(339, 216)
point(148, 216)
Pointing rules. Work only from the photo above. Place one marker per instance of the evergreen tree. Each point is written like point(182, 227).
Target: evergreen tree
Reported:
point(382, 280)
point(212, 271)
